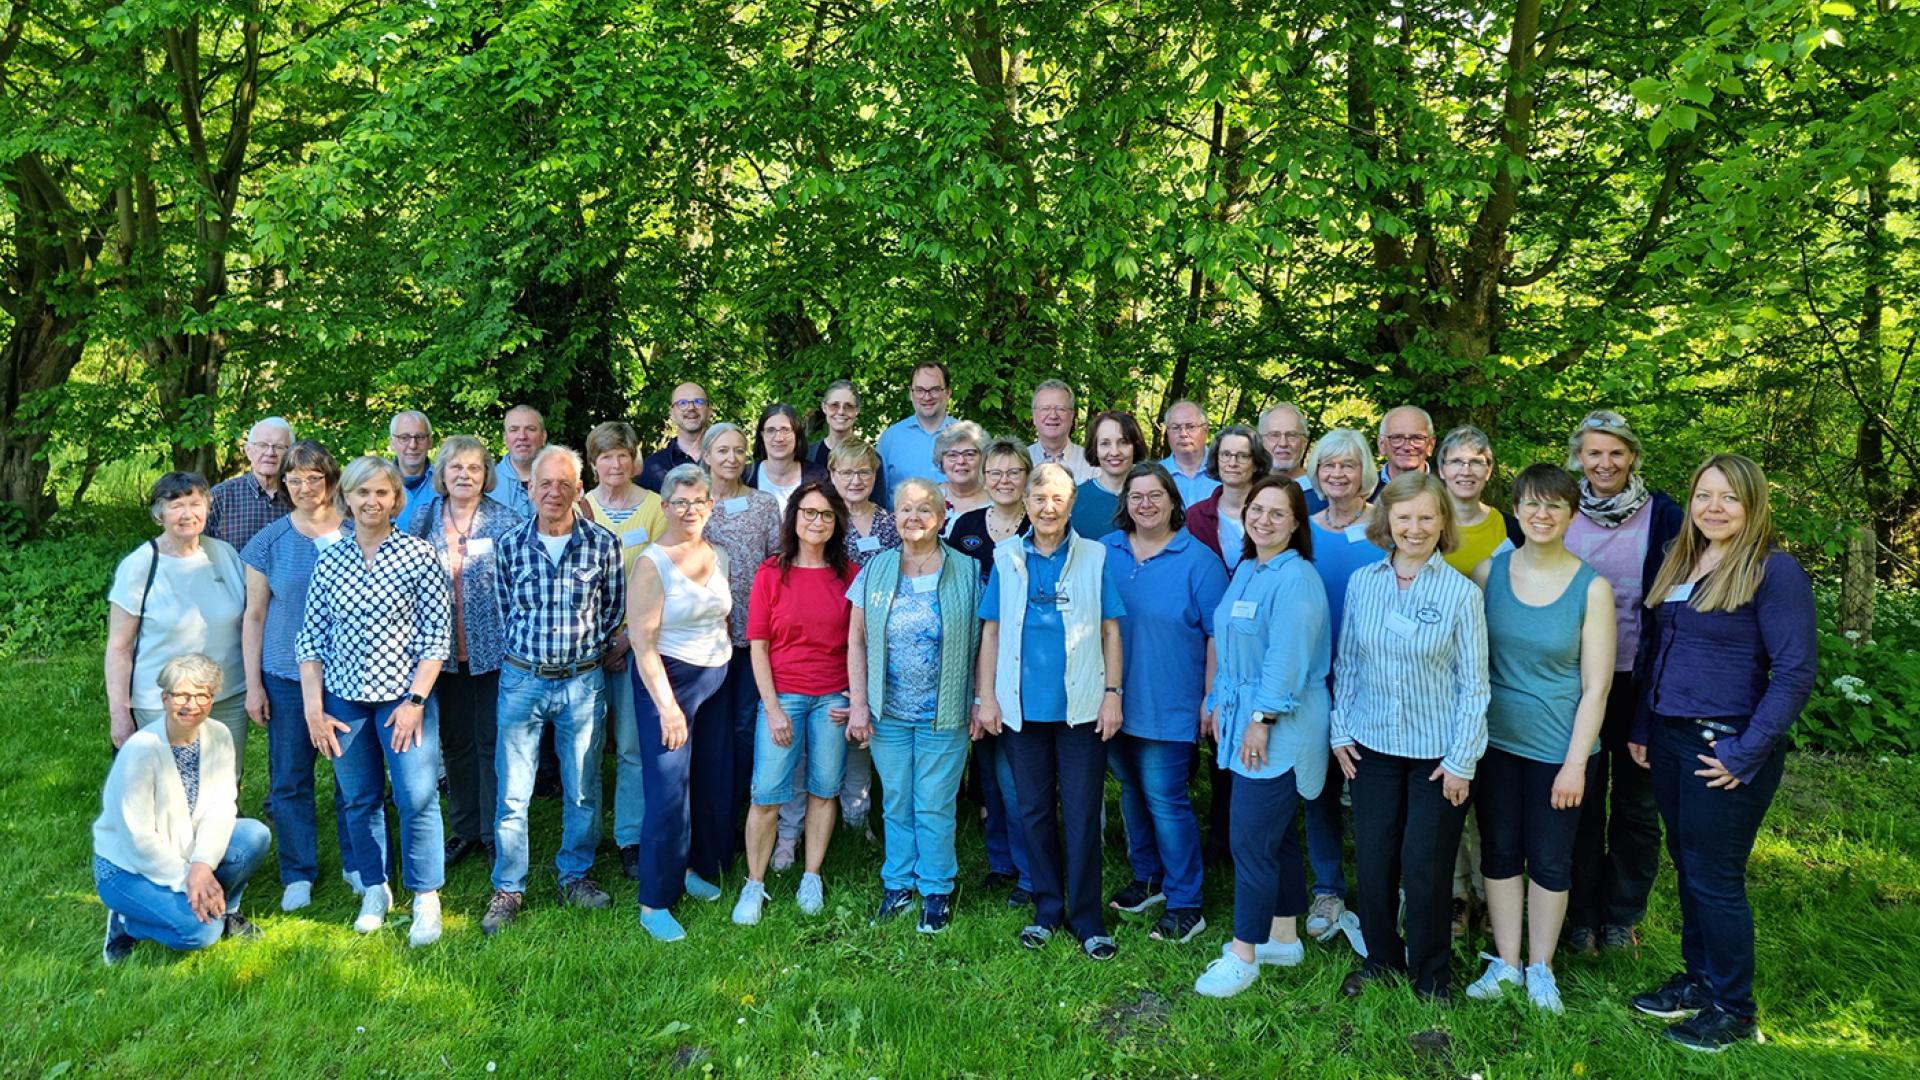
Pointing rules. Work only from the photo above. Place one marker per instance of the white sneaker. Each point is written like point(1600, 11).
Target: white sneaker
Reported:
point(812, 895)
point(1542, 989)
point(1226, 977)
point(783, 853)
point(352, 878)
point(1488, 987)
point(1323, 916)
point(753, 900)
point(1273, 952)
point(426, 921)
point(296, 895)
point(374, 905)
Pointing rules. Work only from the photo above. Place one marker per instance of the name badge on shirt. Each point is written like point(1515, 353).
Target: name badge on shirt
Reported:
point(1356, 532)
point(326, 540)
point(1680, 593)
point(479, 545)
point(735, 505)
point(1401, 625)
point(1244, 609)
point(633, 538)
point(868, 544)
point(925, 583)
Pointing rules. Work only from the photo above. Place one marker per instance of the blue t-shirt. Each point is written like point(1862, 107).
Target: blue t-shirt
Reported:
point(1337, 553)
point(285, 557)
point(1043, 638)
point(1093, 508)
point(1170, 600)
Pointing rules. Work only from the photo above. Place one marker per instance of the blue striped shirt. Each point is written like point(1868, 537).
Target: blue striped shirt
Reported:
point(561, 612)
point(1410, 677)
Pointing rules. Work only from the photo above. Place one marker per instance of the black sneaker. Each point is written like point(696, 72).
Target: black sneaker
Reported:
point(1138, 897)
point(1617, 938)
point(501, 910)
point(1178, 925)
point(119, 944)
point(893, 903)
point(458, 848)
point(997, 880)
point(1019, 898)
point(936, 912)
point(1677, 997)
point(1584, 940)
point(1713, 1029)
point(584, 893)
point(630, 862)
point(237, 926)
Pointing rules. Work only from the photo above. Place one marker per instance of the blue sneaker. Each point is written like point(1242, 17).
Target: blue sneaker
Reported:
point(893, 902)
point(119, 944)
point(661, 924)
point(701, 889)
point(936, 912)
point(1542, 989)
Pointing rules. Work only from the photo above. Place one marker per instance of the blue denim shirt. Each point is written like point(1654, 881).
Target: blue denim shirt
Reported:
point(1272, 634)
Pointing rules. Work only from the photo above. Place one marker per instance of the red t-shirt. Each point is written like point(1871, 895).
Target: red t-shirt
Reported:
point(803, 619)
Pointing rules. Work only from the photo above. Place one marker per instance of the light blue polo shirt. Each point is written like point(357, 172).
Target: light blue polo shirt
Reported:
point(906, 449)
point(1193, 489)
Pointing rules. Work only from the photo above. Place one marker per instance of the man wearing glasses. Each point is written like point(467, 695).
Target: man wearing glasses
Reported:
point(906, 447)
point(1186, 427)
point(409, 438)
point(1283, 431)
point(1406, 441)
point(691, 413)
point(245, 504)
point(1053, 419)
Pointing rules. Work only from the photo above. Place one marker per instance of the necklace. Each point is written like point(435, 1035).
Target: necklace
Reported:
point(1001, 527)
point(1332, 524)
point(453, 524)
point(926, 562)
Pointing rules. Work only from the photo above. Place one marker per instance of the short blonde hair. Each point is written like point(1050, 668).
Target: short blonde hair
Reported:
point(363, 468)
point(1407, 487)
point(852, 454)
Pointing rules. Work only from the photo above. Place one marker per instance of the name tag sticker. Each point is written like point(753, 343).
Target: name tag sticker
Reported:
point(735, 505)
point(479, 545)
point(1401, 625)
point(1244, 609)
point(868, 544)
point(1356, 532)
point(635, 538)
point(1680, 593)
point(925, 583)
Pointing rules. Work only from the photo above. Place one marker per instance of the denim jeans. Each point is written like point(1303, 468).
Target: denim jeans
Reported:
point(818, 749)
point(1163, 835)
point(157, 913)
point(469, 735)
point(528, 705)
point(690, 799)
point(291, 757)
point(367, 760)
point(1325, 835)
point(1710, 835)
point(1061, 770)
point(1006, 841)
point(629, 790)
point(1268, 880)
point(920, 768)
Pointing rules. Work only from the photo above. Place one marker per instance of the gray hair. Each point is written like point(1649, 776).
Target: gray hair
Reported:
point(841, 384)
point(1261, 420)
point(1468, 436)
point(1197, 407)
point(190, 669)
point(1052, 470)
point(686, 474)
point(571, 455)
point(1606, 422)
point(925, 487)
point(452, 447)
point(272, 421)
point(714, 431)
point(958, 432)
point(1054, 384)
point(363, 468)
point(393, 425)
point(1426, 418)
point(1344, 443)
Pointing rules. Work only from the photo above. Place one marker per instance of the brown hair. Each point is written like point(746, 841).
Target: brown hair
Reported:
point(1302, 538)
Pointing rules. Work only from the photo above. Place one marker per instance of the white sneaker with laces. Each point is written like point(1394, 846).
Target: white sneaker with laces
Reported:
point(1488, 987)
point(1542, 989)
point(1323, 917)
point(753, 900)
point(374, 905)
point(812, 895)
point(1226, 977)
point(296, 895)
point(426, 921)
point(1273, 953)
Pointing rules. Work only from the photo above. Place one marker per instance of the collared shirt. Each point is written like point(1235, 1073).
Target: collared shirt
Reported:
point(906, 449)
point(509, 490)
point(1170, 600)
point(1384, 479)
point(661, 462)
point(1043, 644)
point(371, 627)
point(1271, 636)
point(564, 610)
point(285, 556)
point(1193, 488)
point(239, 507)
point(472, 561)
point(1073, 458)
point(1411, 678)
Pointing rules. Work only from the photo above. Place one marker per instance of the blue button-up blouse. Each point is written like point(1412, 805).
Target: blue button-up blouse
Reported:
point(1163, 636)
point(1274, 646)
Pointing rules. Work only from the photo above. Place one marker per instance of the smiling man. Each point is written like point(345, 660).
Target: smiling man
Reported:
point(1186, 428)
point(1053, 419)
point(691, 413)
point(245, 504)
point(1406, 441)
point(1284, 432)
point(410, 441)
point(906, 447)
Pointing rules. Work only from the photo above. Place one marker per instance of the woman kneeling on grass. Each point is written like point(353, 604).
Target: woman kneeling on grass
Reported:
point(170, 855)
point(1550, 638)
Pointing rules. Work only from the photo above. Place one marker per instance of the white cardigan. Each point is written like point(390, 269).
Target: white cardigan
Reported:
point(144, 826)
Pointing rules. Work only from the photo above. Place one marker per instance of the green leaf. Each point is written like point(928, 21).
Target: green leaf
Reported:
point(1657, 132)
point(1837, 7)
point(1648, 90)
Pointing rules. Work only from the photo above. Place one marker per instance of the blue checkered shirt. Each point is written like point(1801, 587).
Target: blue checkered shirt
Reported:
point(371, 627)
point(239, 507)
point(565, 612)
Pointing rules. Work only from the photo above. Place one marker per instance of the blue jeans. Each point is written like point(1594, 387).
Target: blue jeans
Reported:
point(690, 800)
point(528, 703)
point(629, 790)
point(290, 771)
point(367, 759)
point(1710, 835)
point(818, 746)
point(920, 767)
point(1163, 835)
point(157, 913)
point(1325, 833)
point(1006, 841)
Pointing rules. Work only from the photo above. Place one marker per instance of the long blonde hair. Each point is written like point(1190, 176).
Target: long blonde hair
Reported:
point(1738, 577)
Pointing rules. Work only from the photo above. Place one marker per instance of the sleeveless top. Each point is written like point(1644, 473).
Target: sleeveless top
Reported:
point(693, 617)
point(1533, 664)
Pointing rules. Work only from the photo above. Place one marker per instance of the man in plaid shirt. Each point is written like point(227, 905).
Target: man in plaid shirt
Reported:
point(255, 499)
point(564, 600)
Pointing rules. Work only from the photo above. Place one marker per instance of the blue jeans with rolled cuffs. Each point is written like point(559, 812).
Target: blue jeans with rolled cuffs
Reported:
point(818, 748)
point(528, 705)
point(157, 913)
point(291, 757)
point(1163, 834)
point(920, 768)
point(367, 759)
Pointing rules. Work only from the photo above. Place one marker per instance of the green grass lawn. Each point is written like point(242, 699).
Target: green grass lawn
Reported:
point(1836, 880)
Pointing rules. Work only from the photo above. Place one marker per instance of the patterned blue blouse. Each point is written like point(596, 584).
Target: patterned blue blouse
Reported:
point(478, 608)
point(285, 557)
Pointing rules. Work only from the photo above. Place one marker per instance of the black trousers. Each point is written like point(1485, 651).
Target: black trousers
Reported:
point(1616, 852)
point(1405, 835)
point(1059, 777)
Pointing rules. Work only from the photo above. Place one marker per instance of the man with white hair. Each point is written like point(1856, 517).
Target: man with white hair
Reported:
point(1284, 432)
point(245, 504)
point(410, 441)
point(1406, 441)
point(1053, 419)
point(525, 435)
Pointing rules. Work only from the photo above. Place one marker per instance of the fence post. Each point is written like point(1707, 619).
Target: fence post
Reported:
point(1857, 581)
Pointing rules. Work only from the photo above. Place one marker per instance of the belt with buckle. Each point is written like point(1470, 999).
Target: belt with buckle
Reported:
point(554, 671)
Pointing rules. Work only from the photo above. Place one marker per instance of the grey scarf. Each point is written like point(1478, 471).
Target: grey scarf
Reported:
point(1609, 512)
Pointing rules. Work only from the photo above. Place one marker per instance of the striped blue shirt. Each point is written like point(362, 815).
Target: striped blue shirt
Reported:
point(564, 611)
point(1410, 677)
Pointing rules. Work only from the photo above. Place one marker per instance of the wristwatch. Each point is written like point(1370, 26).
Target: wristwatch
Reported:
point(1267, 718)
point(415, 699)
point(1114, 690)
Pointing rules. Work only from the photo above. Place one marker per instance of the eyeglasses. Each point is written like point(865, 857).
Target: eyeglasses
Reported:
point(411, 438)
point(1185, 429)
point(1473, 464)
point(929, 391)
point(961, 455)
point(1278, 513)
point(853, 474)
point(1535, 506)
point(1409, 440)
point(1272, 437)
point(681, 506)
point(270, 447)
point(813, 516)
point(1006, 474)
point(1053, 410)
point(190, 697)
point(300, 480)
point(1146, 498)
point(1240, 456)
point(690, 403)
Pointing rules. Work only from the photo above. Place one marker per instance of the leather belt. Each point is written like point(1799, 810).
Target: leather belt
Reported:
point(554, 671)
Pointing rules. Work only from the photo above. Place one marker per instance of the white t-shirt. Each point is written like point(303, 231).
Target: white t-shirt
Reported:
point(195, 606)
point(555, 545)
point(780, 493)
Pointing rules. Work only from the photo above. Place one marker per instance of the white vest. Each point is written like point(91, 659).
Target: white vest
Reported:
point(1086, 665)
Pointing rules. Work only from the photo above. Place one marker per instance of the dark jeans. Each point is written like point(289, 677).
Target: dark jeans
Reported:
point(1520, 831)
point(1405, 834)
point(1268, 877)
point(1616, 853)
point(469, 711)
point(291, 758)
point(1710, 834)
point(1326, 833)
point(1219, 845)
point(689, 790)
point(1059, 776)
point(739, 700)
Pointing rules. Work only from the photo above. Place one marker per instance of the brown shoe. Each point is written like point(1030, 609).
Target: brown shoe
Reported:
point(501, 910)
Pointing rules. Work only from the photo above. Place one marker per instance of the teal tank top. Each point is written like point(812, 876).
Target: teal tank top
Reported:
point(1533, 656)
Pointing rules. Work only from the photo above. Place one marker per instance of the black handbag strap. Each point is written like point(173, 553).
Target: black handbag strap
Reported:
point(152, 569)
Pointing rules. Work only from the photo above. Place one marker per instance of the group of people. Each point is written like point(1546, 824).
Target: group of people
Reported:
point(1512, 700)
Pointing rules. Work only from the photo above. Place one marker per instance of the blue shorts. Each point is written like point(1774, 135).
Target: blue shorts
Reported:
point(816, 739)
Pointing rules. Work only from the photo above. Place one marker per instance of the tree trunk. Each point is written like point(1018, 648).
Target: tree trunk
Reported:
point(41, 353)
